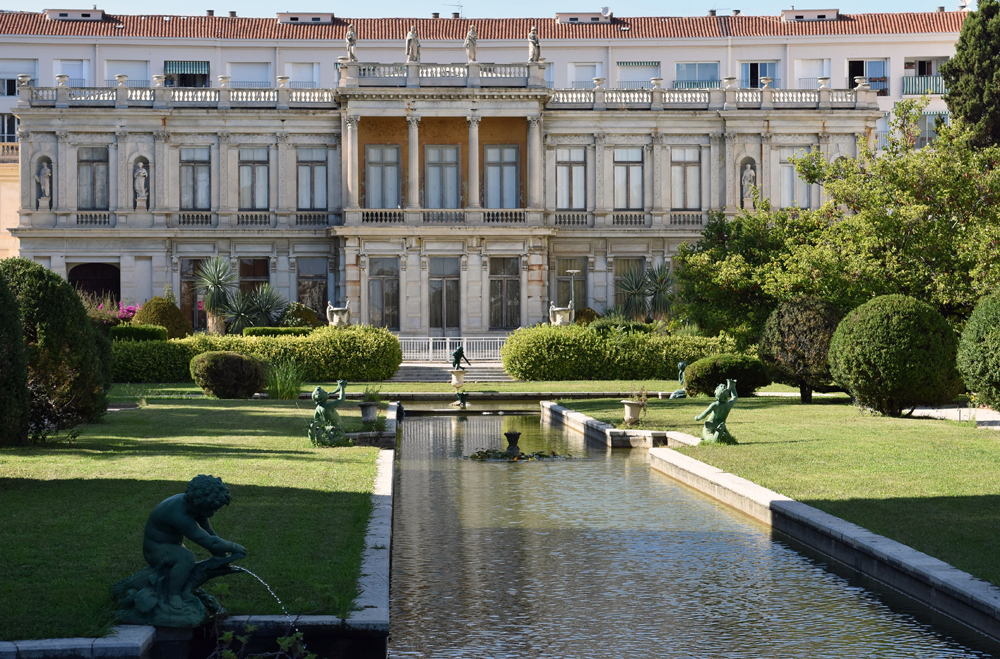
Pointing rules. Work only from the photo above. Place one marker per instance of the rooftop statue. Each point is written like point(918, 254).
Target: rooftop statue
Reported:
point(470, 43)
point(534, 46)
point(168, 593)
point(326, 427)
point(351, 40)
point(715, 430)
point(412, 46)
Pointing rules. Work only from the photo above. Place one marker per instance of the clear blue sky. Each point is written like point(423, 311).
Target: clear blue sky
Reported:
point(477, 8)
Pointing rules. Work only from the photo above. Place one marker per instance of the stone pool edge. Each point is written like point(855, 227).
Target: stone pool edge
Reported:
point(607, 434)
point(929, 580)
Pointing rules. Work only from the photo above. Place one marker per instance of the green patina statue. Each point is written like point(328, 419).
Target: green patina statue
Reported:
point(680, 393)
point(326, 428)
point(463, 398)
point(715, 430)
point(457, 357)
point(168, 593)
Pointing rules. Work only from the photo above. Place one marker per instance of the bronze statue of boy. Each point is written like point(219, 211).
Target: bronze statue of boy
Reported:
point(715, 430)
point(456, 359)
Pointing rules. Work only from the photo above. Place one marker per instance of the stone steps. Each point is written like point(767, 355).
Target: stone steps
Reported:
point(442, 373)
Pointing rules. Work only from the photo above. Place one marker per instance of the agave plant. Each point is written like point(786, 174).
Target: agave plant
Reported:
point(268, 304)
point(216, 280)
point(241, 312)
point(660, 282)
point(634, 288)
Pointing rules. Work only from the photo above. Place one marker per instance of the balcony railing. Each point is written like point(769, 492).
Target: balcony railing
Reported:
point(389, 216)
point(8, 86)
point(312, 218)
point(880, 85)
point(94, 219)
point(250, 219)
point(629, 219)
point(303, 84)
point(757, 83)
point(808, 83)
point(920, 85)
point(250, 84)
point(130, 82)
point(9, 152)
point(633, 84)
point(571, 219)
point(683, 220)
point(503, 217)
point(697, 84)
point(443, 217)
point(76, 82)
point(583, 84)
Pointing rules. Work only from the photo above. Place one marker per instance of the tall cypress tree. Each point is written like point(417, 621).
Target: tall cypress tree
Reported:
point(972, 76)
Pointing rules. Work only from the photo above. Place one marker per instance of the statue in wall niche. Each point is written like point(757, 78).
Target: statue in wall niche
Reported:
point(470, 43)
point(326, 428)
point(456, 359)
point(680, 393)
point(168, 592)
point(338, 316)
point(139, 179)
point(351, 39)
point(44, 179)
point(534, 46)
point(715, 415)
point(748, 181)
point(412, 46)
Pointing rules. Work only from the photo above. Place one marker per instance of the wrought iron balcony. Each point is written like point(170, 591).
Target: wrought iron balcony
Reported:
point(920, 85)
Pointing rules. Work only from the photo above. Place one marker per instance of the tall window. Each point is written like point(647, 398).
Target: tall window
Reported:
point(192, 304)
point(195, 179)
point(383, 292)
point(312, 179)
point(794, 191)
point(685, 178)
point(876, 70)
point(564, 281)
point(253, 274)
point(502, 186)
point(8, 128)
point(253, 179)
point(92, 178)
point(621, 267)
point(444, 288)
point(382, 179)
point(691, 75)
point(752, 72)
point(312, 284)
point(505, 292)
point(441, 184)
point(571, 179)
point(628, 179)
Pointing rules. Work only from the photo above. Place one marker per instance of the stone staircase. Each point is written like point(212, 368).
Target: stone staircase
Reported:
point(437, 372)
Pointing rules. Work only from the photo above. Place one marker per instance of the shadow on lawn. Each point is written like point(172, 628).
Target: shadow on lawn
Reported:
point(78, 537)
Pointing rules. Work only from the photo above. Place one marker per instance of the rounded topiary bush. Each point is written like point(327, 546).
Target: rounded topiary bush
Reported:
point(165, 313)
point(227, 374)
point(895, 352)
point(704, 375)
point(544, 352)
point(795, 344)
point(13, 371)
point(979, 352)
point(69, 362)
point(138, 333)
point(297, 314)
point(586, 316)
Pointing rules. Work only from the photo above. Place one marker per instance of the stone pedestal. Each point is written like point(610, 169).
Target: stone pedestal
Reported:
point(457, 378)
point(142, 203)
point(44, 203)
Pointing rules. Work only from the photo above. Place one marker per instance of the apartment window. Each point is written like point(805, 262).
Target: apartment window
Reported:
point(92, 178)
point(10, 69)
point(794, 191)
point(312, 284)
point(692, 75)
point(621, 267)
point(505, 293)
point(383, 292)
point(637, 75)
point(925, 67)
point(584, 74)
point(312, 179)
point(253, 274)
point(76, 69)
point(136, 70)
point(253, 178)
point(877, 72)
point(502, 186)
point(186, 74)
point(752, 72)
point(303, 75)
point(250, 74)
point(192, 303)
point(685, 178)
point(810, 71)
point(628, 179)
point(8, 128)
point(382, 184)
point(571, 179)
point(195, 179)
point(564, 281)
point(442, 179)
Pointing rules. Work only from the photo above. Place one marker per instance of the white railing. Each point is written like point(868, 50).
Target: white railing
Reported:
point(443, 217)
point(582, 96)
point(310, 96)
point(92, 94)
point(194, 219)
point(94, 219)
point(43, 93)
point(307, 219)
point(571, 220)
point(194, 95)
point(503, 71)
point(686, 219)
point(253, 219)
point(140, 94)
point(843, 96)
point(677, 96)
point(628, 96)
point(748, 96)
point(381, 217)
point(382, 71)
point(633, 84)
point(797, 96)
point(443, 70)
point(628, 219)
point(254, 95)
point(439, 349)
point(503, 216)
point(9, 152)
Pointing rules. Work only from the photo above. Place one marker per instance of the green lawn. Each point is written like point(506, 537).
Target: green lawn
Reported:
point(72, 514)
point(933, 485)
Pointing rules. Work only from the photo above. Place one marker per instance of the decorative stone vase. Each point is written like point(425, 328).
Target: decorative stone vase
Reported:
point(512, 437)
point(369, 411)
point(457, 378)
point(632, 410)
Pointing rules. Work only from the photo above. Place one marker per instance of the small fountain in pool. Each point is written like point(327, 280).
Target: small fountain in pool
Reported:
point(277, 599)
point(512, 437)
point(513, 452)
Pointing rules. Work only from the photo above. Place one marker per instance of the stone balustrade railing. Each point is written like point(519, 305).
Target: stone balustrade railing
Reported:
point(9, 152)
point(415, 74)
point(731, 98)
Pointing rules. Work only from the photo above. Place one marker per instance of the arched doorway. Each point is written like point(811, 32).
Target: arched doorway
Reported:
point(98, 279)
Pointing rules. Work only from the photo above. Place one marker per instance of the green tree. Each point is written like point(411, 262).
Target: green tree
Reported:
point(216, 279)
point(13, 371)
point(972, 76)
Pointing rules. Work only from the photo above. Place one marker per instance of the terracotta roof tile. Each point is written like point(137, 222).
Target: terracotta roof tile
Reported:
point(668, 27)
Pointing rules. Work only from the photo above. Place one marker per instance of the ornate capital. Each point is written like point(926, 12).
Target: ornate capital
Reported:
point(731, 137)
point(23, 134)
point(62, 134)
point(765, 138)
point(599, 138)
point(282, 135)
point(534, 122)
point(465, 262)
point(473, 121)
point(363, 261)
point(824, 138)
point(413, 122)
point(223, 137)
point(121, 134)
point(352, 121)
point(715, 137)
point(161, 136)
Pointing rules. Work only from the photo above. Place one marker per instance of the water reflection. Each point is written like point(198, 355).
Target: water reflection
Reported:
point(602, 557)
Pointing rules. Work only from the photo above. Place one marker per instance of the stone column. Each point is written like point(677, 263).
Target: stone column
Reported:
point(824, 147)
point(668, 181)
point(706, 161)
point(714, 171)
point(352, 161)
point(658, 179)
point(484, 301)
point(591, 173)
point(599, 203)
point(730, 179)
point(224, 171)
point(535, 170)
point(282, 177)
point(524, 290)
point(764, 173)
point(413, 167)
point(473, 201)
point(647, 178)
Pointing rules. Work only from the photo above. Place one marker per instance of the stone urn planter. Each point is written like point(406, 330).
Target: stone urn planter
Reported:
point(369, 412)
point(633, 409)
point(457, 378)
point(512, 437)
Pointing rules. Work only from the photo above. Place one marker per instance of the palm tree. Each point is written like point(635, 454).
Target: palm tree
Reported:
point(635, 290)
point(241, 312)
point(268, 304)
point(660, 283)
point(216, 280)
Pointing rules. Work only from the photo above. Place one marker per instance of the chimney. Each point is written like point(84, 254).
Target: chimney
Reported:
point(435, 14)
point(711, 12)
point(940, 10)
point(210, 12)
point(456, 14)
point(232, 14)
point(736, 12)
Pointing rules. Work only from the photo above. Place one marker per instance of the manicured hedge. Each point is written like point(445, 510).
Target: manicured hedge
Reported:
point(14, 399)
point(979, 352)
point(277, 331)
point(227, 374)
point(704, 375)
point(544, 352)
point(358, 353)
point(138, 333)
point(164, 312)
